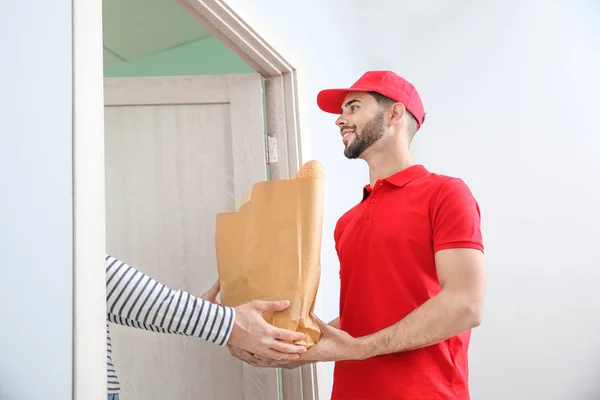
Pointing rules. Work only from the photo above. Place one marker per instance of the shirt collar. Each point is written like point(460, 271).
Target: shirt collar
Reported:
point(399, 179)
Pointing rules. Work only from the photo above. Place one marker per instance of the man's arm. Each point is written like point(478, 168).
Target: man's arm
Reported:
point(455, 309)
point(335, 323)
point(460, 267)
point(136, 300)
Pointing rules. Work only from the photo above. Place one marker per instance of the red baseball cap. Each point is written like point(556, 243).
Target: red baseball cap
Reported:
point(386, 83)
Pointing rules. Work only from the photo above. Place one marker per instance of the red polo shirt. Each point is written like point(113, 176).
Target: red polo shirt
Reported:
point(386, 246)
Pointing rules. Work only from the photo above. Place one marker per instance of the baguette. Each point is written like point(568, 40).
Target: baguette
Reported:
point(311, 170)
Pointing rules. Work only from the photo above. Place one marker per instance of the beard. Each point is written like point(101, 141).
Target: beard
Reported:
point(372, 132)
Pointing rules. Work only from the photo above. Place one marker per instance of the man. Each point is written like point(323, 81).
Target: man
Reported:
point(136, 300)
point(411, 259)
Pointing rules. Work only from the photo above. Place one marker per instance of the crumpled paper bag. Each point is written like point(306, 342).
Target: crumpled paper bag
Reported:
point(270, 249)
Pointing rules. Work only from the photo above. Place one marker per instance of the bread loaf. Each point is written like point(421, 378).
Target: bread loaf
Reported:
point(311, 170)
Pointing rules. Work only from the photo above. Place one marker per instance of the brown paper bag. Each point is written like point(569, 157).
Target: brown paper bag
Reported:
point(270, 249)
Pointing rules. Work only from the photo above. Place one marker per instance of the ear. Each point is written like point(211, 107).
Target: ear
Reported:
point(397, 113)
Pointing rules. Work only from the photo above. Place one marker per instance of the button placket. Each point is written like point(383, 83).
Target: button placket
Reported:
point(373, 199)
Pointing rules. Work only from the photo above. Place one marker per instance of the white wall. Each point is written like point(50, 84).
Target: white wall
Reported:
point(512, 94)
point(36, 224)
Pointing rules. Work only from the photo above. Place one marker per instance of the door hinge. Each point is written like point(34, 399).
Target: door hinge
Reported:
point(271, 149)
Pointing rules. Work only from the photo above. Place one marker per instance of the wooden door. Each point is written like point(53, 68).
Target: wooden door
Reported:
point(179, 150)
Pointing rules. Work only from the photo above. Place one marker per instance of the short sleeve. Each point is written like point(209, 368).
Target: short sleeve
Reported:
point(456, 218)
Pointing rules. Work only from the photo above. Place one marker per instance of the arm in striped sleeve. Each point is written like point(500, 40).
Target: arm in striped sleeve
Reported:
point(136, 300)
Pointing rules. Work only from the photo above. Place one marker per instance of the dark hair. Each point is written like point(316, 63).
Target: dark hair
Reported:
point(385, 101)
point(381, 99)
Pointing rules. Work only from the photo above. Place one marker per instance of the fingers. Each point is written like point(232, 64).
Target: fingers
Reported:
point(322, 325)
point(270, 362)
point(214, 289)
point(278, 356)
point(271, 306)
point(270, 330)
point(254, 360)
point(290, 336)
point(211, 294)
point(287, 348)
point(240, 353)
point(254, 334)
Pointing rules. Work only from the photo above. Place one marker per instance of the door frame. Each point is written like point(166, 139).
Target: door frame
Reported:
point(284, 123)
point(285, 117)
point(89, 243)
point(281, 79)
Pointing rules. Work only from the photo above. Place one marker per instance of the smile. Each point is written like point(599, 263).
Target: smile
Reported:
point(346, 136)
point(346, 132)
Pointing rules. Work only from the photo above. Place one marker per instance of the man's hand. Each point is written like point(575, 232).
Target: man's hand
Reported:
point(262, 362)
point(265, 362)
point(334, 345)
point(250, 359)
point(254, 335)
point(211, 294)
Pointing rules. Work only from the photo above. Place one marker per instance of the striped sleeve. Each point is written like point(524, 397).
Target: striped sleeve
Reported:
point(134, 299)
point(111, 375)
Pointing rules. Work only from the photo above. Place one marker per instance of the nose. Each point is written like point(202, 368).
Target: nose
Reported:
point(341, 121)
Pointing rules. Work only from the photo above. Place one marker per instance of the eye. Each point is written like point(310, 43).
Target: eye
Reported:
point(353, 108)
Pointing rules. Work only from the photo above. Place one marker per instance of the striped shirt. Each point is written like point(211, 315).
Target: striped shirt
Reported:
point(134, 299)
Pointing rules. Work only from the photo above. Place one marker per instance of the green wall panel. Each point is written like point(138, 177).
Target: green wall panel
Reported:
point(202, 57)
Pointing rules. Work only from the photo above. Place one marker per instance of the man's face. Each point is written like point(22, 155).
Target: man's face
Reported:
point(361, 123)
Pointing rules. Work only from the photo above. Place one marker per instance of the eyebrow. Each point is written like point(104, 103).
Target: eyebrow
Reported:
point(348, 104)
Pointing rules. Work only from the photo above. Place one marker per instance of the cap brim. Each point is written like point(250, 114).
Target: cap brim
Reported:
point(330, 100)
